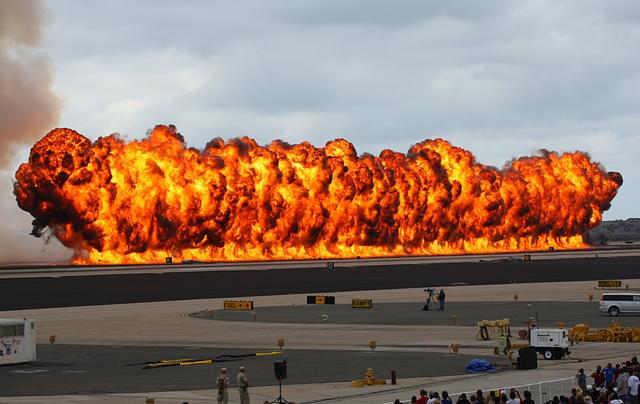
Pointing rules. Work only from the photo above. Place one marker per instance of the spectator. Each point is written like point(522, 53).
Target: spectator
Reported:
point(414, 399)
point(588, 400)
point(572, 397)
point(514, 397)
point(479, 397)
point(555, 400)
point(615, 399)
point(633, 386)
point(463, 399)
point(622, 384)
point(609, 373)
point(527, 398)
point(423, 397)
point(397, 401)
point(445, 398)
point(582, 379)
point(598, 377)
point(491, 398)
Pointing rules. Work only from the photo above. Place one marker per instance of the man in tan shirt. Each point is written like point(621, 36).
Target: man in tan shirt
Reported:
point(243, 386)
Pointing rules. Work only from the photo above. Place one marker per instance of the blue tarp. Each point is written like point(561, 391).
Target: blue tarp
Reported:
point(478, 366)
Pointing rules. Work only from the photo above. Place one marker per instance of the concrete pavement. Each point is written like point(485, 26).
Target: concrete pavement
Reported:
point(165, 323)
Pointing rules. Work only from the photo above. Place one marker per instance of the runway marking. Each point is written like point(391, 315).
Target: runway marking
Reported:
point(29, 371)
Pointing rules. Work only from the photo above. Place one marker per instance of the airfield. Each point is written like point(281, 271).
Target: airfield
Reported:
point(106, 318)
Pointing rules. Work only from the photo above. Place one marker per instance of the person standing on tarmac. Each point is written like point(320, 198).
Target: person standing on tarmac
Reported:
point(243, 386)
point(222, 383)
point(441, 297)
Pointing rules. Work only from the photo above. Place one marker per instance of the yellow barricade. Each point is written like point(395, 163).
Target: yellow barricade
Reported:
point(361, 303)
point(321, 299)
point(609, 284)
point(238, 304)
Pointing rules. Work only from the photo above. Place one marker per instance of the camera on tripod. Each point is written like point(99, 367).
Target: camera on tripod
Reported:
point(430, 303)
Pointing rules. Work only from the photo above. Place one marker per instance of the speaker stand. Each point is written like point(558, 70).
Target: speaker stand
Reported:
point(280, 399)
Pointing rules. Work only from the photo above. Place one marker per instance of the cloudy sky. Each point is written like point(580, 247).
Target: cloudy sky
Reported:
point(499, 78)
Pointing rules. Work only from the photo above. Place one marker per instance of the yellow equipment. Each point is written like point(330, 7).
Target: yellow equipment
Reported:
point(488, 329)
point(369, 380)
point(614, 333)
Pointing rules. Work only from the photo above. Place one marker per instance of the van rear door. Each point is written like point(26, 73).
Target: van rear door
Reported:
point(636, 303)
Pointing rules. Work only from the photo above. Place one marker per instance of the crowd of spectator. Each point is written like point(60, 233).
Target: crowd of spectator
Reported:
point(611, 385)
point(617, 384)
point(500, 397)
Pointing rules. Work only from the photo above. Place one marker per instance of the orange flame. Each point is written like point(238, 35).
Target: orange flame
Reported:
point(116, 202)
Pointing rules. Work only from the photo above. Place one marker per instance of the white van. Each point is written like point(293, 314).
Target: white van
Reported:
point(615, 303)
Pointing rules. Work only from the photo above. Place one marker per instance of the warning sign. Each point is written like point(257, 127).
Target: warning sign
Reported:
point(238, 305)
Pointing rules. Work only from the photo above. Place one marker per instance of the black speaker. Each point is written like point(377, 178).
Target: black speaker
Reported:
point(329, 300)
point(527, 358)
point(280, 369)
point(311, 299)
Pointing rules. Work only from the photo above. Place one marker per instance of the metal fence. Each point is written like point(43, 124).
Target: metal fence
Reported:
point(541, 392)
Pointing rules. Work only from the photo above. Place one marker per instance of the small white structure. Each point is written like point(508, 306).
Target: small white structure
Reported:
point(552, 343)
point(17, 341)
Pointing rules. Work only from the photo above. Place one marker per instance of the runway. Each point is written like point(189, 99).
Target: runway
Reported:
point(55, 289)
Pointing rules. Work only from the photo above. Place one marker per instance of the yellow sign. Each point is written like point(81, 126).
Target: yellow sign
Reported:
point(320, 300)
point(361, 303)
point(609, 284)
point(238, 305)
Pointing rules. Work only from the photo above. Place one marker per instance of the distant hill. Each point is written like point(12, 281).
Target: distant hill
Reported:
point(616, 232)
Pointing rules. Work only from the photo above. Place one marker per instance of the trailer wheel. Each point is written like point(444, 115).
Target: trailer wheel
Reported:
point(548, 355)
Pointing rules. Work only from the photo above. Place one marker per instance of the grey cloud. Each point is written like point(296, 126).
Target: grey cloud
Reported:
point(29, 105)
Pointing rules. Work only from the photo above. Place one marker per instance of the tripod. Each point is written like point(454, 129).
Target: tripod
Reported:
point(280, 399)
point(430, 301)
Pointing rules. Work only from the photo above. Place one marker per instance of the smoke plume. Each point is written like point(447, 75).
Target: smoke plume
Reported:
point(29, 105)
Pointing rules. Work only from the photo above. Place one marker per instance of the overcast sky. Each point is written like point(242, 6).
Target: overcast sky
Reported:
point(499, 78)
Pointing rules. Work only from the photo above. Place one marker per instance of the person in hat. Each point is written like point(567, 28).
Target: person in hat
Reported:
point(222, 383)
point(243, 386)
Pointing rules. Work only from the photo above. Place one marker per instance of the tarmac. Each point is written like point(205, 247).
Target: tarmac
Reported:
point(456, 313)
point(160, 325)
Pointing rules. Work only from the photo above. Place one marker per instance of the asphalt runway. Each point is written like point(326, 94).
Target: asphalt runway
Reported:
point(86, 369)
point(66, 291)
point(467, 314)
